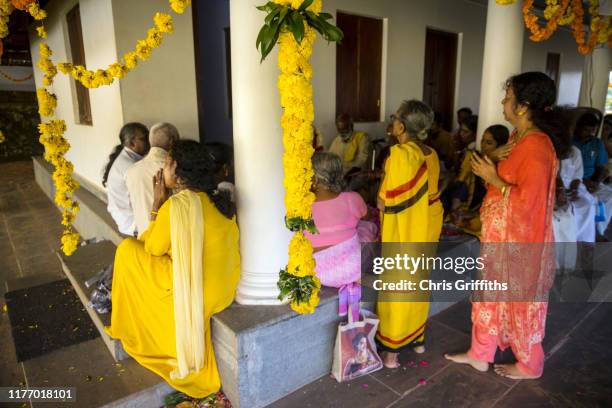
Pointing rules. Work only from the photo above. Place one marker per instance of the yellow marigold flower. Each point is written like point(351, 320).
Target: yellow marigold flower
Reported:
point(163, 22)
point(117, 70)
point(6, 7)
point(103, 77)
point(36, 12)
point(130, 60)
point(67, 218)
point(70, 241)
point(179, 6)
point(47, 102)
point(2, 137)
point(143, 50)
point(307, 307)
point(45, 51)
point(41, 31)
point(65, 67)
point(154, 38)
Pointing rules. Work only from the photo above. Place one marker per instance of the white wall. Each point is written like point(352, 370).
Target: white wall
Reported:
point(16, 73)
point(570, 69)
point(90, 145)
point(163, 88)
point(407, 24)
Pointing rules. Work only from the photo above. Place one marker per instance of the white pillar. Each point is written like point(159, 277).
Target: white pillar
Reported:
point(595, 79)
point(503, 55)
point(258, 152)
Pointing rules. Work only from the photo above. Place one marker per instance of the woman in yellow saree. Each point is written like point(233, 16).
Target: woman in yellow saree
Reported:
point(412, 216)
point(186, 268)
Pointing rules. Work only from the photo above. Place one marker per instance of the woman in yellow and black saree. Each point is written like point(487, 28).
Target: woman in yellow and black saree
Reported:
point(404, 199)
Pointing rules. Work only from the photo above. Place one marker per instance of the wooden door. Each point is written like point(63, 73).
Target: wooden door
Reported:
point(439, 75)
point(359, 67)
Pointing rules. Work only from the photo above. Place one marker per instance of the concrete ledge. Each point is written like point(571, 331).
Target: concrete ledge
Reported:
point(80, 267)
point(92, 221)
point(263, 352)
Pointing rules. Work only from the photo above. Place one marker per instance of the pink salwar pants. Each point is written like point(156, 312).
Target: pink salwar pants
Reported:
point(484, 346)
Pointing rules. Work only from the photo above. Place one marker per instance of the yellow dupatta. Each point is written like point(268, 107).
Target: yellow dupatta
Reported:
point(187, 237)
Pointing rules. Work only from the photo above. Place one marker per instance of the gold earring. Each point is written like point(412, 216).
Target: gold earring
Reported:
point(521, 113)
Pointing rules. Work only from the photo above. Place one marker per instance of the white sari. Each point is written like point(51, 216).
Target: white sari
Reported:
point(583, 209)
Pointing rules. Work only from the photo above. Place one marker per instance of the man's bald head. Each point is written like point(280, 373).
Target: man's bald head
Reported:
point(163, 135)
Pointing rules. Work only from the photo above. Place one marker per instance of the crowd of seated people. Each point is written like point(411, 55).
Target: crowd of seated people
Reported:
point(174, 201)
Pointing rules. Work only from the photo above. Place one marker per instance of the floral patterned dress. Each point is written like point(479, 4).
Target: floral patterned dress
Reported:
point(517, 245)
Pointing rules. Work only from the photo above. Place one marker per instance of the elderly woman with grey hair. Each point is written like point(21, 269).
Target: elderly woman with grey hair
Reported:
point(337, 215)
point(412, 213)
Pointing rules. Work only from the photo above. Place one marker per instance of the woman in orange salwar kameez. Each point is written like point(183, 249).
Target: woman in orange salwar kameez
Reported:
point(517, 228)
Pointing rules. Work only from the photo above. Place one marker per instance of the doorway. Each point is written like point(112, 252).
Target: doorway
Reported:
point(439, 75)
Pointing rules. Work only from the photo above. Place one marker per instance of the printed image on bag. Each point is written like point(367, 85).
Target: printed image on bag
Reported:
point(355, 351)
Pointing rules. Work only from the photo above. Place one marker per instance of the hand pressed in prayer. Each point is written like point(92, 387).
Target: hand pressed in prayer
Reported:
point(502, 152)
point(484, 168)
point(160, 192)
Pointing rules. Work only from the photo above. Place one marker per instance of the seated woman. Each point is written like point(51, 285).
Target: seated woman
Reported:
point(186, 268)
point(468, 219)
point(337, 214)
point(460, 191)
point(223, 156)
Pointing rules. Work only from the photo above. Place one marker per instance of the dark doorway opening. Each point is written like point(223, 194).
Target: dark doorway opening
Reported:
point(211, 34)
point(439, 76)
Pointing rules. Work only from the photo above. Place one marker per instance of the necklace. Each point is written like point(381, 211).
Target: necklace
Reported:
point(524, 133)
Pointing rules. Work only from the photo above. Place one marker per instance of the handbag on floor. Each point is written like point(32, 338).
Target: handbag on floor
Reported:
point(355, 349)
point(100, 299)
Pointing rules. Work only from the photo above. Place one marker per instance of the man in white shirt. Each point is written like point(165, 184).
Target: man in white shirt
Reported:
point(139, 178)
point(134, 145)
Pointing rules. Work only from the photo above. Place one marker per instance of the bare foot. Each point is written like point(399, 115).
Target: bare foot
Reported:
point(419, 349)
point(464, 358)
point(390, 360)
point(512, 371)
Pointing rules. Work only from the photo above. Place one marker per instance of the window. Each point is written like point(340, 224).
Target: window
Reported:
point(358, 67)
point(77, 50)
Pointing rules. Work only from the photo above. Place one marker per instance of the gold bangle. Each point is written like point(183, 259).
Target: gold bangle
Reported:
point(153, 212)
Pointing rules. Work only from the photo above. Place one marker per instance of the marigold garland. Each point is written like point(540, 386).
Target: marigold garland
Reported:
point(293, 24)
point(6, 8)
point(117, 70)
point(52, 131)
point(565, 13)
point(296, 98)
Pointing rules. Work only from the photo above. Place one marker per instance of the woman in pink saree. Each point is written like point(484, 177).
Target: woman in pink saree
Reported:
point(517, 237)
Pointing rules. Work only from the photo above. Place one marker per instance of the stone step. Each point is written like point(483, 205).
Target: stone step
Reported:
point(81, 266)
point(87, 366)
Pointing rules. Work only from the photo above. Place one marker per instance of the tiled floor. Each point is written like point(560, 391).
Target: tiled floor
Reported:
point(578, 369)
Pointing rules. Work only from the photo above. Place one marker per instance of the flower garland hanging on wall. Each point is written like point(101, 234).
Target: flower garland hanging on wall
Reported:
point(293, 24)
point(566, 12)
point(52, 131)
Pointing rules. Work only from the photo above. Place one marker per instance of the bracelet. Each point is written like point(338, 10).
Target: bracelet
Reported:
point(153, 212)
